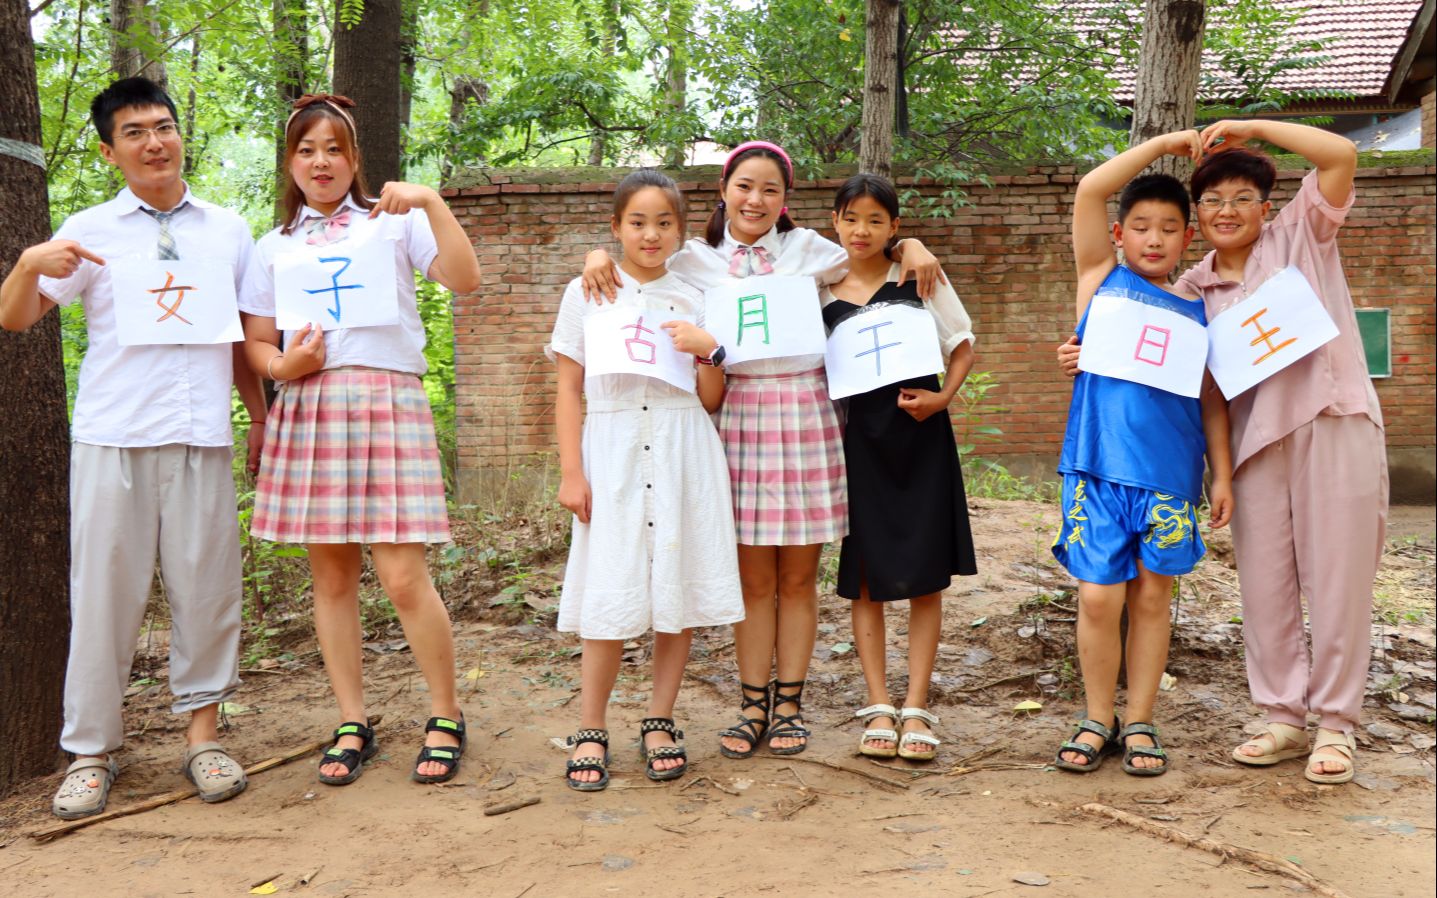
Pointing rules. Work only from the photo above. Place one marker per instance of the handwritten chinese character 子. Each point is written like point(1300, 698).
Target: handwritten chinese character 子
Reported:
point(335, 286)
point(1153, 345)
point(875, 351)
point(631, 342)
point(171, 311)
point(1265, 337)
point(753, 317)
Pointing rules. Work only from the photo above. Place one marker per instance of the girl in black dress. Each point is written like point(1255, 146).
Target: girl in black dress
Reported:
point(908, 517)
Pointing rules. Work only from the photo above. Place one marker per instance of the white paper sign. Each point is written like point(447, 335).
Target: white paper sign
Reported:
point(630, 341)
point(1145, 344)
point(765, 317)
point(881, 345)
point(1281, 323)
point(340, 285)
point(174, 301)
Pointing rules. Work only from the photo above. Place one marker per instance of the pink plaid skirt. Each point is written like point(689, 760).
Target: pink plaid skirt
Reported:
point(785, 459)
point(350, 457)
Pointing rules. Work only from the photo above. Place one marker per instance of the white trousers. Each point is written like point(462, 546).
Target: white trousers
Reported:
point(127, 504)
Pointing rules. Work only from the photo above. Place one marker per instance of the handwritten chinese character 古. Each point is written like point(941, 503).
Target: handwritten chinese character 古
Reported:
point(1153, 345)
point(875, 351)
point(753, 317)
point(335, 286)
point(1265, 337)
point(171, 311)
point(638, 328)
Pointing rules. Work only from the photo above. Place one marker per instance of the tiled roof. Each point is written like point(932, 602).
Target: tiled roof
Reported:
point(1360, 37)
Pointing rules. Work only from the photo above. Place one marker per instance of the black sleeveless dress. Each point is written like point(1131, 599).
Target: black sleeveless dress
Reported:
point(908, 516)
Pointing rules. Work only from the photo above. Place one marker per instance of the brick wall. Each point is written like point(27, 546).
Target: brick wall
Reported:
point(1007, 251)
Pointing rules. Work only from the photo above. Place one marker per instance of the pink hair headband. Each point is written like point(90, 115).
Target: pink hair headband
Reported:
point(759, 145)
point(337, 102)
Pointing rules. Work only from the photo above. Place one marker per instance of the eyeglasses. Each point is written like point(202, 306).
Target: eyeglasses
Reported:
point(163, 131)
point(1240, 203)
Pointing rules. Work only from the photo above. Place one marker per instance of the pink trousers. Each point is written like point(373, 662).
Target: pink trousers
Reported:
point(1310, 520)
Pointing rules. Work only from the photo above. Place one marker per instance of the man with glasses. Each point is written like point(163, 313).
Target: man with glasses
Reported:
point(150, 466)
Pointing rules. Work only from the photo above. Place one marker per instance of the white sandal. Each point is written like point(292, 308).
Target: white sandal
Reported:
point(1341, 747)
point(214, 773)
point(1288, 742)
point(904, 751)
point(85, 789)
point(869, 714)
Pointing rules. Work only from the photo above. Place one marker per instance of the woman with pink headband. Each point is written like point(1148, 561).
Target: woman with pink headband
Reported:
point(781, 438)
point(351, 454)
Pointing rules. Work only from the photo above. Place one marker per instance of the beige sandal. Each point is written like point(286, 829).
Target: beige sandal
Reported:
point(870, 714)
point(1340, 748)
point(905, 744)
point(214, 773)
point(1285, 742)
point(85, 789)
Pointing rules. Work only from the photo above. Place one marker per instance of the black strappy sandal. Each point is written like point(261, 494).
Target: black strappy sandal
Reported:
point(598, 737)
point(441, 754)
point(1142, 751)
point(750, 729)
point(788, 726)
point(352, 759)
point(663, 752)
point(1095, 754)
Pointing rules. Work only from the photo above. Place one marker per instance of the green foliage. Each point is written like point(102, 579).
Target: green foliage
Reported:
point(983, 477)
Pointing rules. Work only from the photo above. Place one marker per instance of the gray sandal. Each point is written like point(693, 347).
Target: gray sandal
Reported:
point(85, 789)
point(214, 773)
point(1095, 754)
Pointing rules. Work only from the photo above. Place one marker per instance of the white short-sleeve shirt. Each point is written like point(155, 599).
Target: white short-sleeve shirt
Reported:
point(800, 252)
point(393, 347)
point(133, 396)
point(954, 326)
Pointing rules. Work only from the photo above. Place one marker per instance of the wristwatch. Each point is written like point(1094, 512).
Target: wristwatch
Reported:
point(715, 358)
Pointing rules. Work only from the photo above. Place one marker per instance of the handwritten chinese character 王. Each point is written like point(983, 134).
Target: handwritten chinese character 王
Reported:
point(1265, 337)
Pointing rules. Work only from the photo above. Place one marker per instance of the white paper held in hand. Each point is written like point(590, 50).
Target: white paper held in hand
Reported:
point(881, 344)
point(160, 301)
point(765, 317)
point(1283, 322)
point(624, 340)
point(340, 285)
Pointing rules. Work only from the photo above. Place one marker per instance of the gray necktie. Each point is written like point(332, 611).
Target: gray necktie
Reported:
point(165, 245)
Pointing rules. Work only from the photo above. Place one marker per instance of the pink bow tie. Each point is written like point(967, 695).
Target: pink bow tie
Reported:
point(747, 260)
point(323, 231)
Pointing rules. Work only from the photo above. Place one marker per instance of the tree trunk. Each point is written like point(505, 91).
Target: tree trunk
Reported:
point(463, 90)
point(192, 151)
point(367, 65)
point(676, 76)
point(34, 446)
point(880, 77)
point(1166, 97)
point(129, 19)
point(598, 144)
point(291, 42)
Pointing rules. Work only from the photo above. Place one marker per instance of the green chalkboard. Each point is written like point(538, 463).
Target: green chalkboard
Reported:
point(1375, 325)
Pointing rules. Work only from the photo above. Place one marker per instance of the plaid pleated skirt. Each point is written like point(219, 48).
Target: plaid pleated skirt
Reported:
point(350, 457)
point(785, 459)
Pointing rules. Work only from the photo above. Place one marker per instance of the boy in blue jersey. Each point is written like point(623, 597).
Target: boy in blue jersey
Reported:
point(1132, 461)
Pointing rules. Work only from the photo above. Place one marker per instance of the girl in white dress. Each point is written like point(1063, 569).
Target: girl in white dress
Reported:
point(645, 476)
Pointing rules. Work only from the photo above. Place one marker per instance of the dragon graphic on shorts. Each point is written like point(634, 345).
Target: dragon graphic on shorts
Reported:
point(1169, 524)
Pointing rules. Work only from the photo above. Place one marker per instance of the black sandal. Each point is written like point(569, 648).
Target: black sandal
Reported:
point(650, 755)
point(750, 729)
point(598, 737)
point(788, 726)
point(353, 760)
point(1142, 751)
point(447, 755)
point(1095, 754)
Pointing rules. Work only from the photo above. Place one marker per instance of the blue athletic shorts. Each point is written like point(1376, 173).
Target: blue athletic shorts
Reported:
point(1108, 526)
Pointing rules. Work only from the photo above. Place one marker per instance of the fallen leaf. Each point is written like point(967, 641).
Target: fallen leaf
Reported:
point(474, 674)
point(1028, 705)
point(840, 648)
point(266, 888)
point(1031, 879)
point(978, 621)
point(233, 709)
point(1167, 682)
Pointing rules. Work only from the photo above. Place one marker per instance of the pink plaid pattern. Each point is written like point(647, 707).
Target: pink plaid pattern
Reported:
point(350, 457)
point(785, 459)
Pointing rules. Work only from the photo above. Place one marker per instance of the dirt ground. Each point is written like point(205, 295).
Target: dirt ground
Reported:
point(985, 812)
